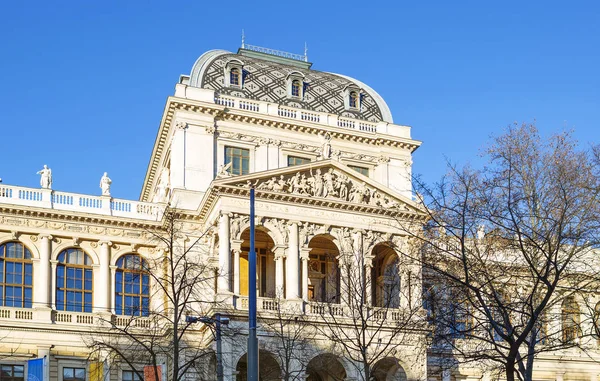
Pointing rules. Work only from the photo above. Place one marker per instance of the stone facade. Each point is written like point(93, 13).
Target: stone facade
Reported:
point(215, 141)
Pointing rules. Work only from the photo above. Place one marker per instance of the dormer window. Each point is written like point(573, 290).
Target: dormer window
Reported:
point(234, 74)
point(234, 77)
point(296, 88)
point(295, 85)
point(353, 101)
point(352, 98)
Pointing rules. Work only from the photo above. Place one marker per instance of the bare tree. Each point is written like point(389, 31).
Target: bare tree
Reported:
point(179, 281)
point(365, 330)
point(507, 248)
point(292, 335)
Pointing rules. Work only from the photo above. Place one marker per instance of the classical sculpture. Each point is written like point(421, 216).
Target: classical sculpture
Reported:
point(46, 177)
point(331, 184)
point(326, 148)
point(105, 182)
point(224, 170)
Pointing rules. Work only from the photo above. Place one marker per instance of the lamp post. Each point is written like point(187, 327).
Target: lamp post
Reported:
point(216, 321)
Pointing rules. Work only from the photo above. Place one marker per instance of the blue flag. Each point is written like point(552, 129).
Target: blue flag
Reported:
point(35, 370)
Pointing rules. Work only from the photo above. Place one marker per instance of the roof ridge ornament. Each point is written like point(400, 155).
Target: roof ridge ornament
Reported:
point(274, 52)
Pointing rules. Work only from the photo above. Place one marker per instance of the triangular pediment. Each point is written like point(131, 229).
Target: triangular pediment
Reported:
point(326, 182)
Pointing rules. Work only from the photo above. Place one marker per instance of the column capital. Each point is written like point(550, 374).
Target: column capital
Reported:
point(305, 253)
point(53, 262)
point(294, 222)
point(236, 244)
point(279, 251)
point(104, 242)
point(49, 237)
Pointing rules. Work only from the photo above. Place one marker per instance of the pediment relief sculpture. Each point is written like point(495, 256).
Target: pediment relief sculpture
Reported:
point(328, 183)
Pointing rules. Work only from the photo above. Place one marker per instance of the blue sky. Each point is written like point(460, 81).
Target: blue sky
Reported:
point(83, 83)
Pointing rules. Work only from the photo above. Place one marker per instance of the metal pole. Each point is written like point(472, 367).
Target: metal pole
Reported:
point(219, 348)
point(252, 354)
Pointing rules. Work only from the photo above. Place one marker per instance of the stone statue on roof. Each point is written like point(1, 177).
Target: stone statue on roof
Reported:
point(105, 182)
point(46, 177)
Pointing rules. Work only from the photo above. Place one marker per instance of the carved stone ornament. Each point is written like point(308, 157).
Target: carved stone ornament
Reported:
point(210, 129)
point(235, 224)
point(330, 184)
point(180, 125)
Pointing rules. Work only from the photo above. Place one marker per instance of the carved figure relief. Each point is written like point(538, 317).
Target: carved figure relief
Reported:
point(331, 184)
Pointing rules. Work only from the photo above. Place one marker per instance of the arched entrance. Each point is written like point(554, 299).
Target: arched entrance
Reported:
point(325, 367)
point(388, 369)
point(265, 264)
point(385, 282)
point(323, 270)
point(268, 368)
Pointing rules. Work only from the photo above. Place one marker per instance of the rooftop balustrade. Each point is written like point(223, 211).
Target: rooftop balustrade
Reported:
point(274, 109)
point(101, 205)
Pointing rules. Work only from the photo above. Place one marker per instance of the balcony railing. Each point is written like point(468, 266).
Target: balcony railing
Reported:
point(299, 114)
point(46, 198)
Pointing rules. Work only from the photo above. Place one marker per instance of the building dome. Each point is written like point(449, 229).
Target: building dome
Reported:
point(266, 77)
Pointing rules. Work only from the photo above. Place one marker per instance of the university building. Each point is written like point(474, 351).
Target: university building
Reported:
point(332, 174)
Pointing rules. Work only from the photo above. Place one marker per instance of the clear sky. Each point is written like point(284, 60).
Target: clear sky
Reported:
point(83, 83)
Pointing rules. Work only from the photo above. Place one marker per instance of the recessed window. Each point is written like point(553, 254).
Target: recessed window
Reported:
point(239, 159)
point(12, 372)
point(361, 170)
point(73, 374)
point(295, 160)
point(353, 101)
point(16, 275)
point(234, 77)
point(296, 88)
point(132, 286)
point(74, 281)
point(130, 375)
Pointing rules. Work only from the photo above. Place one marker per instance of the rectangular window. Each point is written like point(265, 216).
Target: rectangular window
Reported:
point(361, 170)
point(239, 159)
point(295, 160)
point(73, 374)
point(12, 372)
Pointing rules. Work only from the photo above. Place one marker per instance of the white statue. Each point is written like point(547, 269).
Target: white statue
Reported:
point(163, 185)
point(46, 177)
point(481, 232)
point(224, 170)
point(326, 149)
point(105, 182)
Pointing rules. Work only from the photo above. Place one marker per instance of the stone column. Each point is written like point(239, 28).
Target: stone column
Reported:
point(43, 282)
point(279, 255)
point(113, 279)
point(304, 255)
point(236, 246)
point(102, 283)
point(224, 254)
point(368, 280)
point(291, 263)
point(53, 265)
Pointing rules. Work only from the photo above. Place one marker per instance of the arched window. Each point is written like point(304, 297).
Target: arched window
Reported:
point(570, 319)
point(295, 88)
point(353, 101)
point(74, 280)
point(132, 286)
point(234, 77)
point(16, 275)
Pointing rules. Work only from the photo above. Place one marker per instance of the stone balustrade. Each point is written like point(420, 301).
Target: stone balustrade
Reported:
point(322, 118)
point(105, 205)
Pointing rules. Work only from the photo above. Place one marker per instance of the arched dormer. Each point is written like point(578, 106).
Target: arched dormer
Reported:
point(295, 85)
point(234, 73)
point(352, 98)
